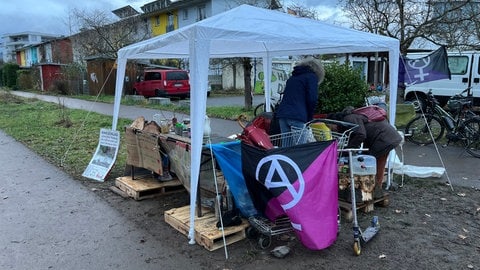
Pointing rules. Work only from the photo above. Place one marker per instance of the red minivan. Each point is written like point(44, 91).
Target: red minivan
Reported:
point(163, 83)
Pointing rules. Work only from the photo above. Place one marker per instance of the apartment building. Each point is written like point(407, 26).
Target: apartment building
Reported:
point(165, 15)
point(13, 42)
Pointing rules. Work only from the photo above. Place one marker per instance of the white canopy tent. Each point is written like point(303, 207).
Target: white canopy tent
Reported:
point(247, 31)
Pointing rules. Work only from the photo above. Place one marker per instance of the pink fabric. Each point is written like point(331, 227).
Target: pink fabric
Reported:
point(314, 216)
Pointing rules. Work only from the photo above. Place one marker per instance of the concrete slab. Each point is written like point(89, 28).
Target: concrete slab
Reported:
point(159, 100)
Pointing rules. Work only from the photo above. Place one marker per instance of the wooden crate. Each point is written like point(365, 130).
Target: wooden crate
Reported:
point(147, 187)
point(206, 232)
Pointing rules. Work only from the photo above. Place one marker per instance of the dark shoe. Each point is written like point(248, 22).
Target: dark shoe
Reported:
point(166, 176)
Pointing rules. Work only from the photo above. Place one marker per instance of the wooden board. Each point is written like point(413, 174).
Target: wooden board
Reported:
point(143, 149)
point(147, 187)
point(206, 232)
point(366, 207)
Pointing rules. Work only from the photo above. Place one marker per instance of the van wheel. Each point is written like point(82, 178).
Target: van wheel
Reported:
point(418, 104)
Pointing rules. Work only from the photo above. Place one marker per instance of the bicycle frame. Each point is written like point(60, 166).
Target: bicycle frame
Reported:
point(461, 125)
point(448, 120)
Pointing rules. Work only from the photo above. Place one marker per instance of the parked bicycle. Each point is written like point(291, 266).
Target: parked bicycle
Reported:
point(274, 102)
point(461, 123)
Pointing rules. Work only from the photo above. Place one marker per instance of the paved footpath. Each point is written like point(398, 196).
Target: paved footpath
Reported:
point(50, 221)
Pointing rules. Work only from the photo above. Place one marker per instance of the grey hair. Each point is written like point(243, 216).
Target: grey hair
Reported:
point(316, 66)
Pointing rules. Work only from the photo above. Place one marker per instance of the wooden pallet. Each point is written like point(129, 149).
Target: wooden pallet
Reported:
point(206, 232)
point(366, 207)
point(147, 187)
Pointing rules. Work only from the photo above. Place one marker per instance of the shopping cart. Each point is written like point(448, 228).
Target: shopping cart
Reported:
point(313, 131)
point(263, 229)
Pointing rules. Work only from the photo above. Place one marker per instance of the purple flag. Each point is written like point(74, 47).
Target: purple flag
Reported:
point(425, 69)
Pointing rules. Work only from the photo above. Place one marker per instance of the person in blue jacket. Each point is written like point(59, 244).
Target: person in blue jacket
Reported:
point(300, 95)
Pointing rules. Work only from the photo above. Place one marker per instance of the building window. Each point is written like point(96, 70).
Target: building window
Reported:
point(185, 14)
point(157, 20)
point(170, 22)
point(201, 13)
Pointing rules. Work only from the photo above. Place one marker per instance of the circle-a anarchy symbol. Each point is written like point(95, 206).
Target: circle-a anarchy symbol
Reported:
point(283, 181)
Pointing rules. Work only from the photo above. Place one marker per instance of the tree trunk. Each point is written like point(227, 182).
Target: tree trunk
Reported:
point(247, 71)
point(234, 73)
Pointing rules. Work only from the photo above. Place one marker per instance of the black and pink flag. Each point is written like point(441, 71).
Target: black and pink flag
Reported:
point(300, 182)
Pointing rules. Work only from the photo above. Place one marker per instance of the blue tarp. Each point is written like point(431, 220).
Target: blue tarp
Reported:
point(228, 156)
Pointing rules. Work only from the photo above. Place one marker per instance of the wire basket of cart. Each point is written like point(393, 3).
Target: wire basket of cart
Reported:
point(302, 140)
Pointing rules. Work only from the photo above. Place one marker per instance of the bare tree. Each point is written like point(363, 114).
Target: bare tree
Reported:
point(247, 62)
point(295, 9)
point(439, 22)
point(101, 35)
point(302, 11)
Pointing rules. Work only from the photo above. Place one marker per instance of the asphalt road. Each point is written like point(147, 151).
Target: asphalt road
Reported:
point(50, 221)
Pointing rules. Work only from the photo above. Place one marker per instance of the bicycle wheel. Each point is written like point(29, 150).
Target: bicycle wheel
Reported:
point(424, 130)
point(471, 132)
point(260, 108)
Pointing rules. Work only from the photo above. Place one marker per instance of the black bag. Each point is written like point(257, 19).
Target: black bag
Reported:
point(274, 125)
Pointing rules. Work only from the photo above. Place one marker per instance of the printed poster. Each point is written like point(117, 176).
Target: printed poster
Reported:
point(105, 155)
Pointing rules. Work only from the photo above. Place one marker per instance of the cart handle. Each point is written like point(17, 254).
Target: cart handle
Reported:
point(349, 127)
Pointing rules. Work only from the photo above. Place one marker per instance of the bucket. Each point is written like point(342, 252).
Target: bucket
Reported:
point(364, 165)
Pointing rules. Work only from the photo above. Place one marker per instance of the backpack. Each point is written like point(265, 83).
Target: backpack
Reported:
point(374, 113)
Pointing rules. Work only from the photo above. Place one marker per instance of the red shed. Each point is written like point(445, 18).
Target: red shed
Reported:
point(49, 73)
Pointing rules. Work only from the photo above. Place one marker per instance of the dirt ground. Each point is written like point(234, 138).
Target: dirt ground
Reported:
point(425, 226)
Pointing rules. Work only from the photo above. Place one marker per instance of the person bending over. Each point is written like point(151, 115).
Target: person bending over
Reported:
point(380, 137)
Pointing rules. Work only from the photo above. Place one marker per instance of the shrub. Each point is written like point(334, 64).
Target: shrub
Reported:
point(60, 87)
point(10, 75)
point(343, 86)
point(25, 79)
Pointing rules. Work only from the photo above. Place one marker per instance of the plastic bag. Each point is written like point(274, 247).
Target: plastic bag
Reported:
point(256, 136)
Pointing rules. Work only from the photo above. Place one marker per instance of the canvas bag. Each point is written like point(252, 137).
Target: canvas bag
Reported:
point(374, 113)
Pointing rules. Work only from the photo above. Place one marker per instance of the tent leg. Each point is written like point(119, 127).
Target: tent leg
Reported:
point(199, 202)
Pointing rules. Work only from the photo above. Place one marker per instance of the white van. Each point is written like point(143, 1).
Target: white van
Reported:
point(465, 72)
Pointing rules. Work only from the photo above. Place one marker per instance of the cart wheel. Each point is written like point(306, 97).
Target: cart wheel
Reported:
point(264, 241)
point(252, 233)
point(357, 249)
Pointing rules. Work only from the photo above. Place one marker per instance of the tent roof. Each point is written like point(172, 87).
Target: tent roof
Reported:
point(248, 31)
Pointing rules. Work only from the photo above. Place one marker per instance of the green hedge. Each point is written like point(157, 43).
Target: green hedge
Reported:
point(343, 86)
point(9, 75)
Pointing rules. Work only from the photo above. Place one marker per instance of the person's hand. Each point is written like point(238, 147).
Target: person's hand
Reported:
point(332, 127)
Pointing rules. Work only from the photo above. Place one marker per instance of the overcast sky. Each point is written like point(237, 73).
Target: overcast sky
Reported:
point(50, 16)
